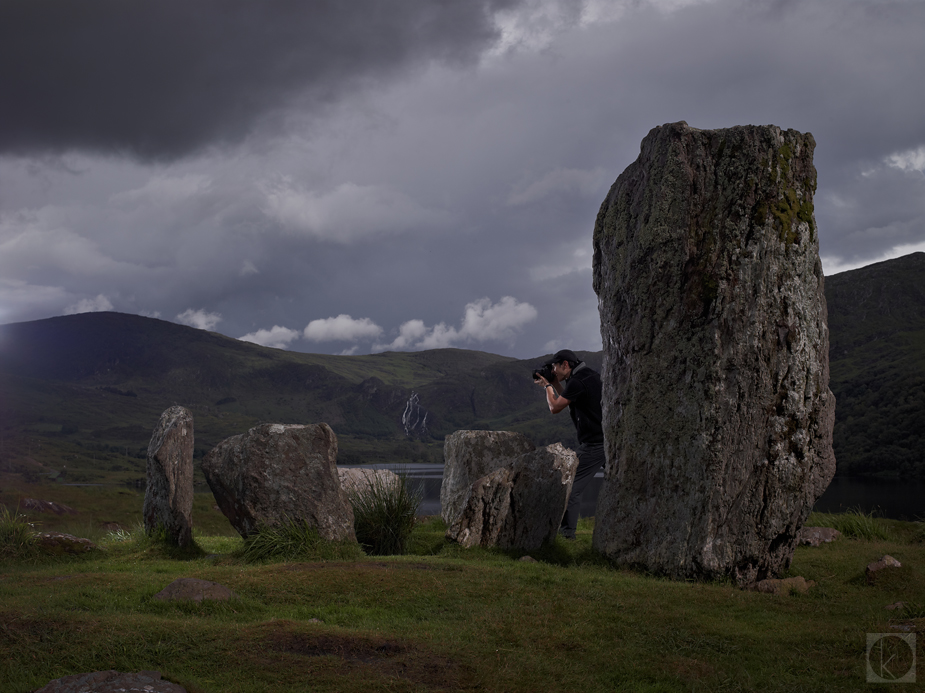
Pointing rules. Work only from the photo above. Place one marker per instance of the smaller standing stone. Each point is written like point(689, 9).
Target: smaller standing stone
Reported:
point(280, 473)
point(520, 505)
point(470, 455)
point(169, 492)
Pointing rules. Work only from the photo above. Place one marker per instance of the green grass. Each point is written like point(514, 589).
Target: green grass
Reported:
point(448, 619)
point(384, 514)
point(17, 539)
point(854, 524)
point(294, 541)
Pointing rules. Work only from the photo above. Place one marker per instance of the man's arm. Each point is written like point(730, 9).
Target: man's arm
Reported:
point(554, 399)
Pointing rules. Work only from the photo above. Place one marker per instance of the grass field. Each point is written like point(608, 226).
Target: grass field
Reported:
point(448, 619)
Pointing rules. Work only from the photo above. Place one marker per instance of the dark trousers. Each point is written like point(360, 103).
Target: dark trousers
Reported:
point(590, 460)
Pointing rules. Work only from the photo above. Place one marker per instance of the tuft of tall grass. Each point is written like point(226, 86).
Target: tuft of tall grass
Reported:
point(17, 539)
point(294, 540)
point(384, 514)
point(854, 524)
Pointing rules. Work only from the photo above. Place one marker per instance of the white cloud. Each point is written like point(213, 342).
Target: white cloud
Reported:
point(347, 213)
point(500, 322)
point(341, 328)
point(248, 268)
point(89, 305)
point(561, 180)
point(199, 319)
point(483, 321)
point(910, 160)
point(276, 337)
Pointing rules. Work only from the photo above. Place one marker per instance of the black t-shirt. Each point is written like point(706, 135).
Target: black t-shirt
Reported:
point(583, 391)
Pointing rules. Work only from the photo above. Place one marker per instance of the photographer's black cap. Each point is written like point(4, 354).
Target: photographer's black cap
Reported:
point(563, 355)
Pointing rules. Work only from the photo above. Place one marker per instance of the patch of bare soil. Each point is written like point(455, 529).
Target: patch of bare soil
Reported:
point(372, 657)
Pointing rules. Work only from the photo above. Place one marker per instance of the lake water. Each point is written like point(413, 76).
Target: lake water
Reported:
point(900, 500)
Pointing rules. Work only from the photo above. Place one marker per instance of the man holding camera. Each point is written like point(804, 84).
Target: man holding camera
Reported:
point(570, 383)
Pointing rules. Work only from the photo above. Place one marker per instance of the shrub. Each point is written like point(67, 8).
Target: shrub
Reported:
point(294, 540)
point(384, 514)
point(17, 540)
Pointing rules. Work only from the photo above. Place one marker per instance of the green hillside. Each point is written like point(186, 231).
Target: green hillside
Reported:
point(80, 394)
point(877, 361)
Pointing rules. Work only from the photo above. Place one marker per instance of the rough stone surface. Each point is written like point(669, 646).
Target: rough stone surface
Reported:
point(470, 455)
point(112, 682)
point(169, 492)
point(194, 590)
point(60, 544)
point(817, 536)
point(280, 473)
point(520, 505)
point(717, 411)
point(357, 480)
point(877, 567)
point(797, 584)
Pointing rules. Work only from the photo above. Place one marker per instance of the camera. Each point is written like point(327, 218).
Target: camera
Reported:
point(546, 372)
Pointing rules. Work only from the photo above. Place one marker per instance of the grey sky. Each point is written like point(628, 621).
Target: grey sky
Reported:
point(353, 177)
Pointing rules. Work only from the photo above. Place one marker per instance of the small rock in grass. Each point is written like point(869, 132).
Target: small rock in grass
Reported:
point(875, 568)
point(783, 586)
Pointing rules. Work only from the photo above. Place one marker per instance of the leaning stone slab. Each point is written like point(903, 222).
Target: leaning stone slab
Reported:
point(518, 506)
point(112, 682)
point(194, 590)
point(717, 410)
point(470, 455)
point(168, 500)
point(280, 473)
point(355, 480)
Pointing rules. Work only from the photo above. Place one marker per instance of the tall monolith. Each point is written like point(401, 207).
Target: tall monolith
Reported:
point(717, 410)
point(168, 504)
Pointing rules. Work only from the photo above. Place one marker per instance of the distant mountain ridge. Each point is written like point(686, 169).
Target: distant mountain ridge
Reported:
point(100, 381)
point(93, 386)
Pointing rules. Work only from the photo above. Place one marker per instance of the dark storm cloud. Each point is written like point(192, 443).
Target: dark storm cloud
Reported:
point(159, 80)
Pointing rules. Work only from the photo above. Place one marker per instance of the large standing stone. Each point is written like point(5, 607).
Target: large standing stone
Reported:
point(169, 491)
point(275, 474)
point(519, 505)
point(717, 410)
point(470, 455)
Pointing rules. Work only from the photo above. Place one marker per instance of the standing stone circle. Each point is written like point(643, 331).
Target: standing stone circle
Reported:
point(470, 455)
point(169, 491)
point(717, 410)
point(280, 473)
